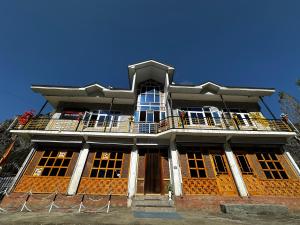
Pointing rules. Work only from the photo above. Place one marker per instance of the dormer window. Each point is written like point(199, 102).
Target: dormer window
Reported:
point(150, 106)
point(150, 93)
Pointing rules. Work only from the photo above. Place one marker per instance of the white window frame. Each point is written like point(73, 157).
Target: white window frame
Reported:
point(212, 109)
point(99, 114)
point(242, 114)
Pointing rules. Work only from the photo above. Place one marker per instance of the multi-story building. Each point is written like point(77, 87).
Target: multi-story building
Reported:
point(198, 141)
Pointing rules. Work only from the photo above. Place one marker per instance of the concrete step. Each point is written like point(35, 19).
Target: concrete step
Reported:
point(152, 203)
point(261, 209)
point(151, 197)
point(153, 209)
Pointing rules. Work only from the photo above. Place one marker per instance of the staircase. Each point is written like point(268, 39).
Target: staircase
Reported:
point(153, 203)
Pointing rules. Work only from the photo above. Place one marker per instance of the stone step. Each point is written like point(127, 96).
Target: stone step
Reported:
point(152, 203)
point(153, 209)
point(151, 197)
point(262, 209)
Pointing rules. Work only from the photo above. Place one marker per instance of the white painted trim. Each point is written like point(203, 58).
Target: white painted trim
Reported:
point(78, 170)
point(294, 164)
point(237, 175)
point(108, 143)
point(132, 178)
point(204, 132)
point(22, 169)
point(55, 141)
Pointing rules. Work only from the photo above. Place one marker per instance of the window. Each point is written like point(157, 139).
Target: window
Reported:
point(242, 116)
point(107, 165)
point(197, 118)
point(271, 166)
point(101, 118)
point(196, 165)
point(149, 106)
point(149, 94)
point(71, 115)
point(220, 165)
point(53, 163)
point(207, 115)
point(244, 164)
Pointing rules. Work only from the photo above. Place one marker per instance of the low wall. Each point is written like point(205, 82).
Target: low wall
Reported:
point(212, 203)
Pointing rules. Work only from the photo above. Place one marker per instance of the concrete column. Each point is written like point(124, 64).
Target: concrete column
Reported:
point(292, 161)
point(175, 168)
point(22, 169)
point(237, 175)
point(133, 170)
point(78, 170)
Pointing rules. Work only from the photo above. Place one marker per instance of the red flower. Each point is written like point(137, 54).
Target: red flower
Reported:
point(25, 117)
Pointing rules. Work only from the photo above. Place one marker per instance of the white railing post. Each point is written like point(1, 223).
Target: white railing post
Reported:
point(237, 175)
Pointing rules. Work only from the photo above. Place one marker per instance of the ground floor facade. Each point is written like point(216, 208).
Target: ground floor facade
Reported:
point(192, 172)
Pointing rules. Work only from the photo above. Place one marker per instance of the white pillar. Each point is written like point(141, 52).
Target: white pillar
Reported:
point(78, 170)
point(132, 178)
point(293, 163)
point(237, 175)
point(175, 170)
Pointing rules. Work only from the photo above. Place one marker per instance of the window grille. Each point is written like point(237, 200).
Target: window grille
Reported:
point(271, 166)
point(196, 165)
point(244, 164)
point(53, 163)
point(220, 165)
point(107, 165)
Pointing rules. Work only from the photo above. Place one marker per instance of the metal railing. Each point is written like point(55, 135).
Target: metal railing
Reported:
point(172, 122)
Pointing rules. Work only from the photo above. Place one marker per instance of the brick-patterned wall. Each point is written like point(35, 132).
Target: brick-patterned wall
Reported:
point(41, 202)
point(100, 186)
point(212, 203)
point(45, 184)
point(222, 184)
point(257, 183)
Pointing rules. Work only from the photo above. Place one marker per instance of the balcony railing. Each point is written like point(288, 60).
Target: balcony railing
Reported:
point(172, 122)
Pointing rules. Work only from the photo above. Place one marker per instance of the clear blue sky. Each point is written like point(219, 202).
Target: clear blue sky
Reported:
point(236, 43)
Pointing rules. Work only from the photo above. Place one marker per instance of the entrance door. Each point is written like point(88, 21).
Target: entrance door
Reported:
point(152, 172)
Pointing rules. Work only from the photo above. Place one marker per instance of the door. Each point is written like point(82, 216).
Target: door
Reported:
point(148, 120)
point(152, 172)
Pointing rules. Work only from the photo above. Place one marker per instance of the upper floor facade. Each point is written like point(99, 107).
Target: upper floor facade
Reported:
point(155, 107)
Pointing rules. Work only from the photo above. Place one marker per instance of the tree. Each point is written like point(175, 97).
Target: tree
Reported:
point(290, 106)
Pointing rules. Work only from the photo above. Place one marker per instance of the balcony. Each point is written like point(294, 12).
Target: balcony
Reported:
point(172, 122)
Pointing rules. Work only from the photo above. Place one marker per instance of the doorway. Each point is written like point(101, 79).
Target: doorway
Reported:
point(152, 172)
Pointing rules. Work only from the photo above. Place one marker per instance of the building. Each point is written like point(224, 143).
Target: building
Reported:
point(202, 142)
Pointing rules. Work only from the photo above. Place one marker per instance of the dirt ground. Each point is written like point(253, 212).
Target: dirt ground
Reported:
point(126, 216)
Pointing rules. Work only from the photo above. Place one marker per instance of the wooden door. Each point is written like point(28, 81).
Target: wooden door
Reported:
point(152, 172)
